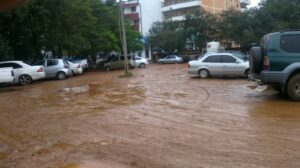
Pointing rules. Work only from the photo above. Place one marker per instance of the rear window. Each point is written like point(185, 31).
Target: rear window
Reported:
point(52, 62)
point(290, 43)
point(265, 41)
point(13, 65)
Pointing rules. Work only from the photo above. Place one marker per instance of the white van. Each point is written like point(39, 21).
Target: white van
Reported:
point(213, 47)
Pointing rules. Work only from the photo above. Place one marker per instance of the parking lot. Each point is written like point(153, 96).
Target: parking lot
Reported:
point(159, 118)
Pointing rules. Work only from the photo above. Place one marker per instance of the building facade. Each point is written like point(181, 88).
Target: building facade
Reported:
point(133, 13)
point(142, 14)
point(177, 9)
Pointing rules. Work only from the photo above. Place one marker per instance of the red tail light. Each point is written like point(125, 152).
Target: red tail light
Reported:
point(78, 66)
point(188, 65)
point(266, 63)
point(40, 69)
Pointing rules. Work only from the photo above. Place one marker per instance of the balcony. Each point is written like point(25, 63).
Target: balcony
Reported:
point(182, 5)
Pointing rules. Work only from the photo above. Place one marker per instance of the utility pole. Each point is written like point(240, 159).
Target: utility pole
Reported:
point(124, 40)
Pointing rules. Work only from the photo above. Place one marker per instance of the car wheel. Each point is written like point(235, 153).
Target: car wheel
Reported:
point(61, 76)
point(142, 65)
point(204, 73)
point(25, 80)
point(293, 88)
point(107, 69)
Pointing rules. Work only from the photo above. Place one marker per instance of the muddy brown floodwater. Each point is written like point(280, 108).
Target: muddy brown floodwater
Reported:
point(159, 118)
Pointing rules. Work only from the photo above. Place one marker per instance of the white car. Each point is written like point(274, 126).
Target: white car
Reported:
point(24, 73)
point(170, 59)
point(75, 68)
point(6, 75)
point(141, 62)
point(220, 64)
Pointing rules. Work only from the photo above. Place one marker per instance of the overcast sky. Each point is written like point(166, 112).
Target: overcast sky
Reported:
point(254, 3)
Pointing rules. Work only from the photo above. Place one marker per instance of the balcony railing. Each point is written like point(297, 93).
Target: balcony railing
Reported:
point(184, 4)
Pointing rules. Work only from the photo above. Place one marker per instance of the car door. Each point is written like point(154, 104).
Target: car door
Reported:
point(231, 65)
point(16, 68)
point(51, 68)
point(214, 64)
point(5, 78)
point(172, 59)
point(119, 63)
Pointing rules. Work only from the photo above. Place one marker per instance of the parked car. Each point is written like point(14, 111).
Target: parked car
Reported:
point(117, 62)
point(170, 59)
point(83, 62)
point(55, 68)
point(6, 75)
point(75, 68)
point(219, 64)
point(277, 62)
point(141, 62)
point(24, 73)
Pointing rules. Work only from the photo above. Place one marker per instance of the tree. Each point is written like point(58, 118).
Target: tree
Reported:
point(62, 27)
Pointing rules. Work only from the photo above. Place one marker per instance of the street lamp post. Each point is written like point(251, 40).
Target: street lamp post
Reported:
point(124, 40)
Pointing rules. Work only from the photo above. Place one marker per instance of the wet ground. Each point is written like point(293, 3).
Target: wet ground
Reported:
point(159, 118)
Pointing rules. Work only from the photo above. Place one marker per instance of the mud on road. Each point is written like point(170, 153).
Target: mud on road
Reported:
point(159, 118)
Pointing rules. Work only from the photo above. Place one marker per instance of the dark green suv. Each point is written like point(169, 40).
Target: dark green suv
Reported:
point(277, 61)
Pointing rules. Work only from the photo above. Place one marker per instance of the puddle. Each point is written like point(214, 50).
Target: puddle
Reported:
point(61, 145)
point(102, 164)
point(3, 156)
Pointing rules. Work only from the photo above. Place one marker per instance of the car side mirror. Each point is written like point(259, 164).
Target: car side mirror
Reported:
point(237, 61)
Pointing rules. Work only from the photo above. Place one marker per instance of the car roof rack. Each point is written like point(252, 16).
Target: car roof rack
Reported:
point(289, 30)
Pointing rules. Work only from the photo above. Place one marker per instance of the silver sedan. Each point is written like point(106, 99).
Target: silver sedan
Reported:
point(170, 59)
point(220, 64)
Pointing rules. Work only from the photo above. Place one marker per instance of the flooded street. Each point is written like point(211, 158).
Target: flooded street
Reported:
point(159, 118)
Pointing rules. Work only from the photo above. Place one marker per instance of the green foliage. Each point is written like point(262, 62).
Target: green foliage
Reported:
point(63, 27)
point(243, 28)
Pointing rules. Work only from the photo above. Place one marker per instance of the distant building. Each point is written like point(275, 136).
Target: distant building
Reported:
point(133, 13)
point(178, 9)
point(142, 14)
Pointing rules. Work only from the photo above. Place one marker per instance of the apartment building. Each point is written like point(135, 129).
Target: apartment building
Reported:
point(142, 14)
point(133, 13)
point(218, 6)
point(177, 9)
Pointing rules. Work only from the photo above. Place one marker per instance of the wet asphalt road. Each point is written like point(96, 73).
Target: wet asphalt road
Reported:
point(159, 118)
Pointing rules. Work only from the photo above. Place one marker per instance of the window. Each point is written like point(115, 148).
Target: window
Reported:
point(213, 59)
point(228, 59)
point(13, 65)
point(290, 43)
point(133, 9)
point(52, 62)
point(3, 66)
